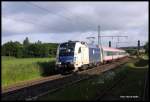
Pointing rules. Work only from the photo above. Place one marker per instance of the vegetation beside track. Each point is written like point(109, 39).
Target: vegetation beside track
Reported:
point(132, 73)
point(16, 70)
point(132, 87)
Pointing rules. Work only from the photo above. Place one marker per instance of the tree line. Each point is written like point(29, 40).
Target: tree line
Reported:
point(27, 49)
point(146, 47)
point(134, 51)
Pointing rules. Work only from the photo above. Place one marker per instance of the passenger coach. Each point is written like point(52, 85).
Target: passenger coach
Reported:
point(110, 54)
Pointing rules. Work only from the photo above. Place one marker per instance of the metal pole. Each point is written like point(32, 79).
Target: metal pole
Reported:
point(99, 37)
point(109, 43)
point(100, 46)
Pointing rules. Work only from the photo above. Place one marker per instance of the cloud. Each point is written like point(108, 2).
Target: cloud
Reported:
point(74, 20)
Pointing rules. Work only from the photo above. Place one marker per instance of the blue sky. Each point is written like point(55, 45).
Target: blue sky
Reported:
point(57, 22)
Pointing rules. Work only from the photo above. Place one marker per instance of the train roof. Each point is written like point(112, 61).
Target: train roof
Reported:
point(96, 46)
point(92, 46)
point(106, 48)
point(111, 49)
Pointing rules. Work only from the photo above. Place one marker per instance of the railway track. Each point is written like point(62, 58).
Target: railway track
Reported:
point(146, 88)
point(31, 90)
point(106, 91)
point(103, 95)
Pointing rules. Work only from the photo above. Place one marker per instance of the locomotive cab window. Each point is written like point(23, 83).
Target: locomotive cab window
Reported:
point(66, 49)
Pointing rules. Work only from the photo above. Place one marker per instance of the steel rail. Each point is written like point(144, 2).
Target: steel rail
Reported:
point(33, 89)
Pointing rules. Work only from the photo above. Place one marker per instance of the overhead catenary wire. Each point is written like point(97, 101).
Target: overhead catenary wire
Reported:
point(43, 24)
point(76, 16)
point(48, 11)
point(36, 23)
point(73, 22)
point(47, 26)
point(26, 21)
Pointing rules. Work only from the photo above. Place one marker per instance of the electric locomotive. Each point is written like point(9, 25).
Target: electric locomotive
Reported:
point(75, 55)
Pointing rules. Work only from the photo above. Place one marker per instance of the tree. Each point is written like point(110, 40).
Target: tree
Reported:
point(26, 42)
point(39, 42)
point(7, 49)
point(146, 48)
point(27, 49)
point(37, 50)
point(12, 49)
point(20, 52)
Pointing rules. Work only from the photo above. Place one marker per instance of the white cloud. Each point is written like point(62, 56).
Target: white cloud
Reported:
point(73, 20)
point(15, 27)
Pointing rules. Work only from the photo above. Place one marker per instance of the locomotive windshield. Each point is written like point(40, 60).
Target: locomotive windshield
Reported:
point(66, 49)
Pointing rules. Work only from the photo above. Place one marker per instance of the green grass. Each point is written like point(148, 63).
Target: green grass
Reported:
point(16, 70)
point(8, 57)
point(133, 84)
point(89, 89)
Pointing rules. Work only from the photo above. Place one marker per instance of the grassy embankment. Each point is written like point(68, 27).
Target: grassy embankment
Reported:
point(16, 70)
point(133, 84)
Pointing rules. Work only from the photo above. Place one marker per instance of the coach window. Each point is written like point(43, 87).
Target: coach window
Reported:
point(108, 53)
point(113, 53)
point(79, 51)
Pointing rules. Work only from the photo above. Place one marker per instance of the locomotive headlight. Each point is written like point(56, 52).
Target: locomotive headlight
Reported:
point(58, 62)
point(72, 62)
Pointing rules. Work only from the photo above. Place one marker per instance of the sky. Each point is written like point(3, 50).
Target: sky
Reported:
point(57, 22)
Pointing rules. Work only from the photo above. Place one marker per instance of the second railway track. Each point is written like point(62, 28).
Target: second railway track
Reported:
point(32, 89)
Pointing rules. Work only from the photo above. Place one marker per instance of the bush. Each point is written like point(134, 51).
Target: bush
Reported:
point(29, 49)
